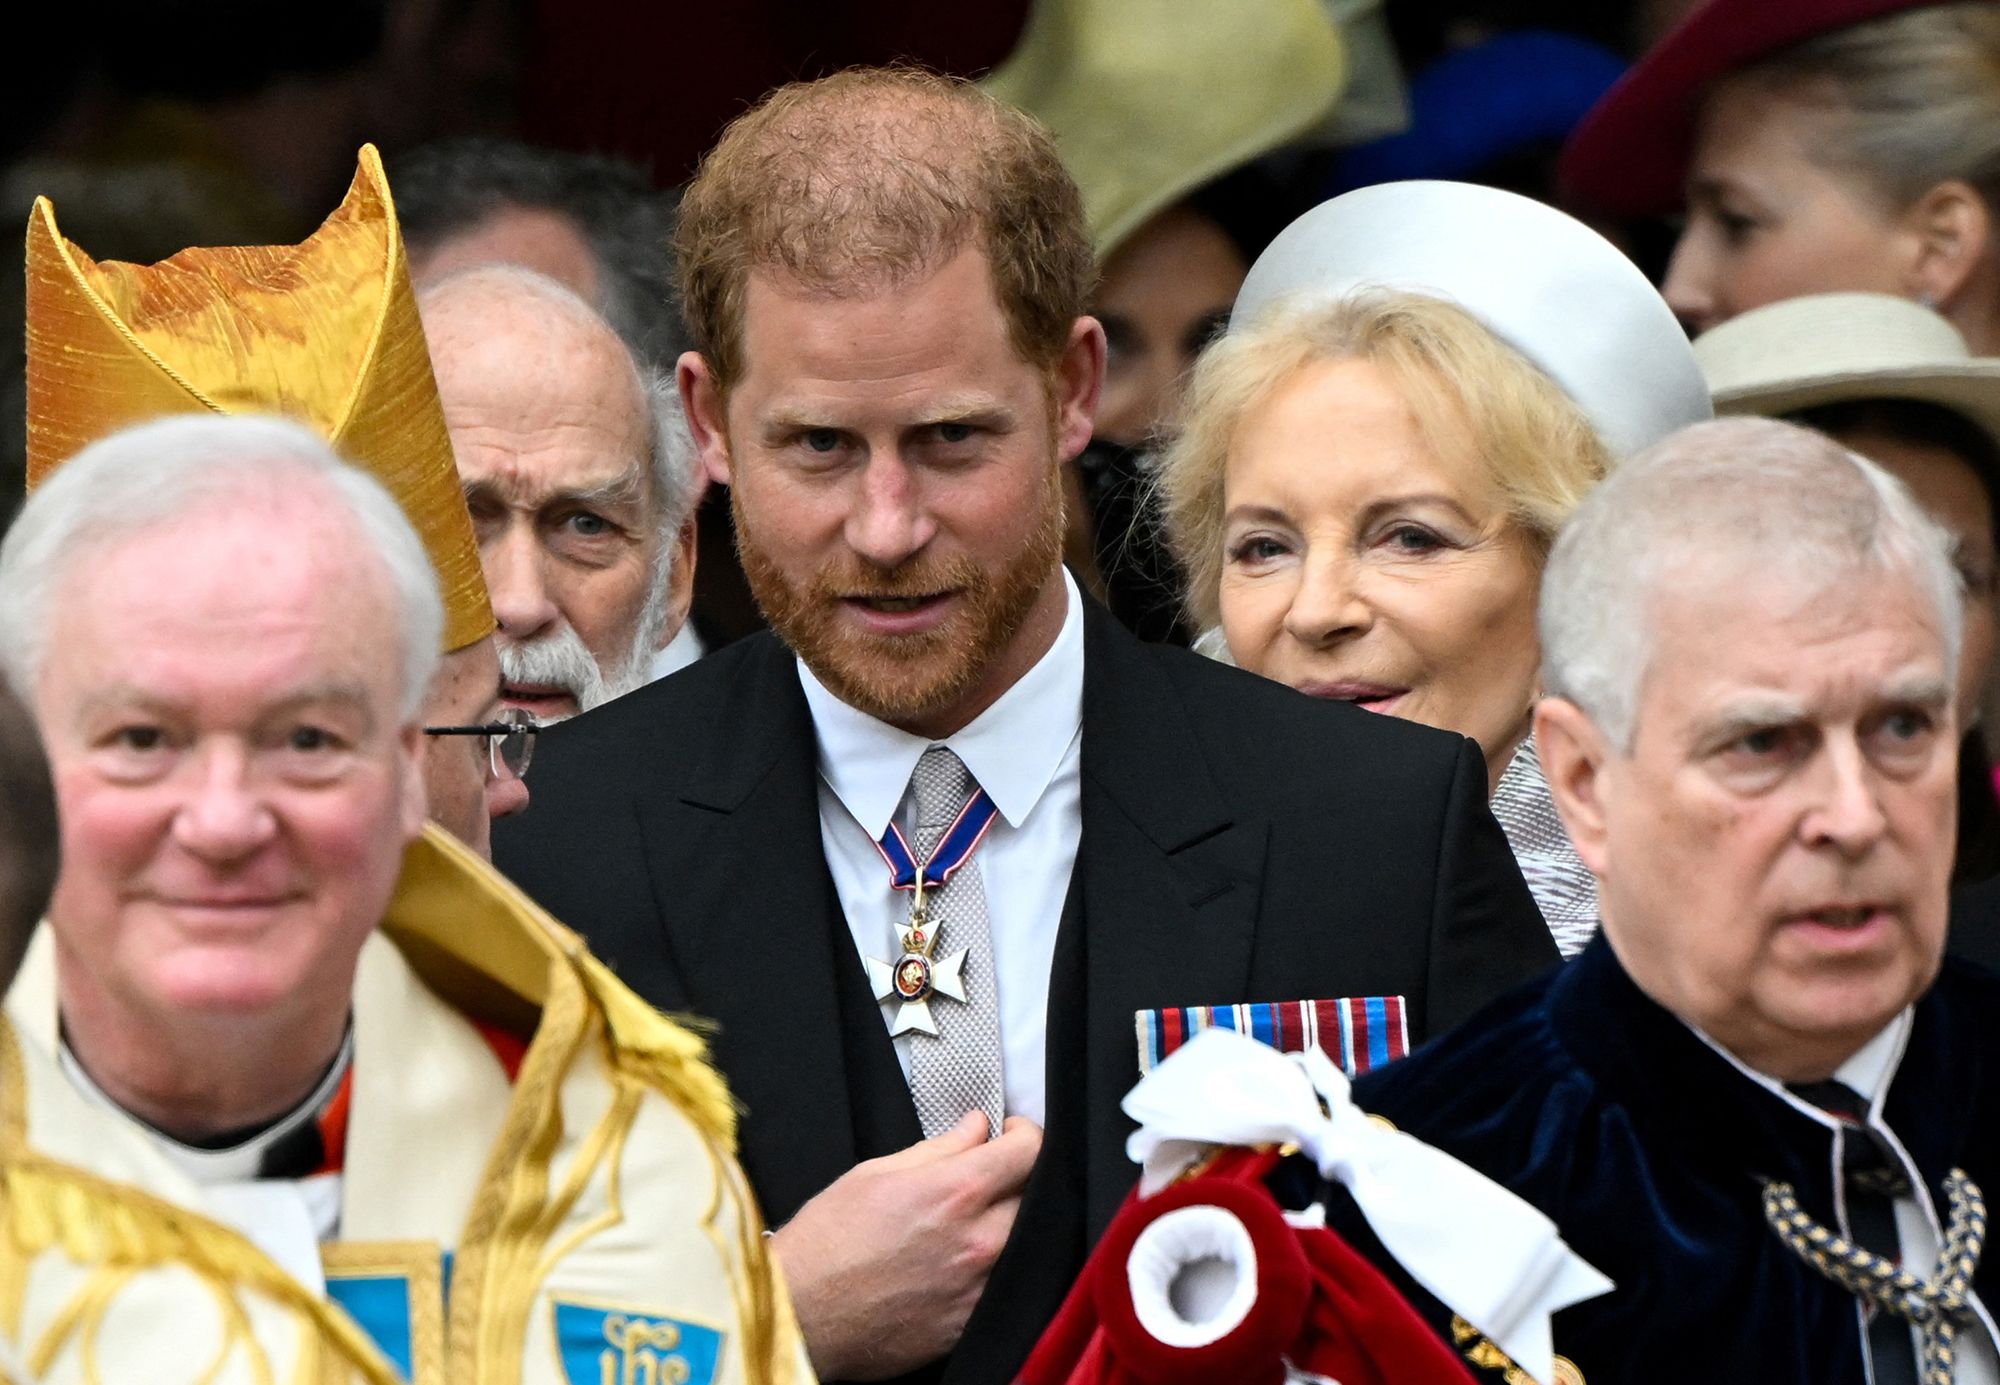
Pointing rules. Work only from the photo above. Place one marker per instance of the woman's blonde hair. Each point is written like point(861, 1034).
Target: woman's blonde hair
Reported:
point(1913, 98)
point(1462, 383)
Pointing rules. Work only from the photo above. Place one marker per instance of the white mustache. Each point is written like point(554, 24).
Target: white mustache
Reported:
point(558, 659)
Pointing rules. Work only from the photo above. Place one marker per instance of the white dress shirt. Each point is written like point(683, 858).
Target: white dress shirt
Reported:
point(1023, 750)
point(1919, 1232)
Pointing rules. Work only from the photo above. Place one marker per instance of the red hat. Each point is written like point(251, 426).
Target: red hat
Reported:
point(1294, 1300)
point(1630, 155)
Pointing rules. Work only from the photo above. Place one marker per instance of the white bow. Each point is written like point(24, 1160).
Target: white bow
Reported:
point(1483, 1252)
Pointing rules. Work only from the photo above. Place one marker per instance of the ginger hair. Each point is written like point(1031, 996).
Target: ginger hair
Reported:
point(873, 178)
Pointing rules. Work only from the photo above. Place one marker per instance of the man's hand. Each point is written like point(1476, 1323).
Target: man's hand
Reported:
point(885, 1264)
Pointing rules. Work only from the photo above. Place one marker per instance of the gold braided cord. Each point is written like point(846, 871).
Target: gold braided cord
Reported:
point(1939, 1305)
point(517, 943)
point(54, 1208)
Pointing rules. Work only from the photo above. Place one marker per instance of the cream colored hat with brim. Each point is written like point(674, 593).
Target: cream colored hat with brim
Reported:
point(1541, 281)
point(1150, 99)
point(1829, 348)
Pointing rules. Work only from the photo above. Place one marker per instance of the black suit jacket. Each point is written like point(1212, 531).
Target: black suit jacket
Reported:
point(1975, 924)
point(1240, 843)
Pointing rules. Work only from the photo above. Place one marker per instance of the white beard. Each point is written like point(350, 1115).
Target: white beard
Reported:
point(560, 659)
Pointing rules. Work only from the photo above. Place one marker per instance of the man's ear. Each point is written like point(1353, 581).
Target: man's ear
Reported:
point(1079, 381)
point(1576, 762)
point(1950, 225)
point(415, 805)
point(680, 584)
point(707, 415)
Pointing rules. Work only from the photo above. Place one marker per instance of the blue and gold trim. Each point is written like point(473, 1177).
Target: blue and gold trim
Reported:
point(394, 1291)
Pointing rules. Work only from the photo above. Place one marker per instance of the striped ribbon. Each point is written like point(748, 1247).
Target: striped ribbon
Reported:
point(953, 849)
point(1357, 1032)
point(1939, 1306)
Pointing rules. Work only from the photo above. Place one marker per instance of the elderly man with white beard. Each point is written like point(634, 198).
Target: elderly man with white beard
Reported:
point(578, 471)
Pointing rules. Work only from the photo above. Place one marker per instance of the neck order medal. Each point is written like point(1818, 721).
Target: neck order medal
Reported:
point(920, 972)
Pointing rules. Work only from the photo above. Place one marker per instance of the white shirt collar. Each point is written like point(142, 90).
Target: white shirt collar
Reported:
point(683, 649)
point(238, 1163)
point(1868, 1073)
point(1013, 748)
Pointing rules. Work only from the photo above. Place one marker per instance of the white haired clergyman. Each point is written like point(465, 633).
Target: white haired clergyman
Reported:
point(1741, 495)
point(148, 477)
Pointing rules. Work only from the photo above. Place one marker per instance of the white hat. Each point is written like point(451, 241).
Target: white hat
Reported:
point(1830, 347)
point(1544, 283)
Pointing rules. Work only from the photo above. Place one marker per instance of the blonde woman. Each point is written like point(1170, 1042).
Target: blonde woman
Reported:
point(1379, 453)
point(1814, 148)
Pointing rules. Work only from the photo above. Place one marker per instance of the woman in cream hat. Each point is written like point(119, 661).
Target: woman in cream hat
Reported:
point(1420, 381)
point(1815, 146)
point(1893, 381)
point(1158, 107)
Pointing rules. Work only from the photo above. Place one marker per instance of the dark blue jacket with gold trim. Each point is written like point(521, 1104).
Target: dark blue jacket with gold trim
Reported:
point(1651, 1152)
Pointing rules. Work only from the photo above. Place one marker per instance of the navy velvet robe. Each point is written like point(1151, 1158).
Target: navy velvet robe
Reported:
point(1650, 1151)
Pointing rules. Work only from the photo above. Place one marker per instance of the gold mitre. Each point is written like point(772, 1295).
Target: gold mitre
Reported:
point(324, 332)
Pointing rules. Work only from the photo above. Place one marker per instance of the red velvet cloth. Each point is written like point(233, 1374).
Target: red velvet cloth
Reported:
point(1319, 1305)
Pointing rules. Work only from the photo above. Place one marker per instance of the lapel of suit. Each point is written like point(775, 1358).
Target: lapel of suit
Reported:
point(1162, 910)
point(1172, 876)
point(757, 931)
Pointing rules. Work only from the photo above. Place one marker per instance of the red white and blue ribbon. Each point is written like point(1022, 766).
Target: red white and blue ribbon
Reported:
point(1359, 1033)
point(953, 849)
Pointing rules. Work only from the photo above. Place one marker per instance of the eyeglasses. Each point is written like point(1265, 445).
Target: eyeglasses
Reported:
point(510, 740)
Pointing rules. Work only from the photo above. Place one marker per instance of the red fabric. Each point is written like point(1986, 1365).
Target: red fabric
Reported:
point(1251, 1353)
point(509, 1048)
point(1630, 154)
point(1361, 1331)
point(1320, 1305)
point(333, 1126)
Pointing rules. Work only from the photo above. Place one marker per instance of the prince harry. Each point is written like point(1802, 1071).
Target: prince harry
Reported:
point(946, 754)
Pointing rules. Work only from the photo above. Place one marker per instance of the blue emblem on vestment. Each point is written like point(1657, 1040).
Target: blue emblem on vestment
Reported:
point(624, 1346)
point(381, 1306)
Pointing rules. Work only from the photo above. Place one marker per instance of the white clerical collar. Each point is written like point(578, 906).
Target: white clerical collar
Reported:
point(1013, 748)
point(1868, 1073)
point(239, 1163)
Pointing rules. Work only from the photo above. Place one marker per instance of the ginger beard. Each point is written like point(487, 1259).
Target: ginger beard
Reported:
point(898, 679)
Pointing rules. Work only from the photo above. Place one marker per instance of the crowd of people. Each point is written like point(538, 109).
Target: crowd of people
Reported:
point(1131, 781)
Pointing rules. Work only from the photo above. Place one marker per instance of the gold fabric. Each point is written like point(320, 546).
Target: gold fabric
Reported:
point(599, 1183)
point(103, 1280)
point(324, 332)
point(1150, 99)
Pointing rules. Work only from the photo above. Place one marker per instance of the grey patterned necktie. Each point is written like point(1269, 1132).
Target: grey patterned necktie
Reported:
point(958, 1069)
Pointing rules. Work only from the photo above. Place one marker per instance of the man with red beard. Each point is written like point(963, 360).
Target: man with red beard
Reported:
point(951, 856)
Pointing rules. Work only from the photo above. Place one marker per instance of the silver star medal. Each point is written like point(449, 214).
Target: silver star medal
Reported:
point(916, 976)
